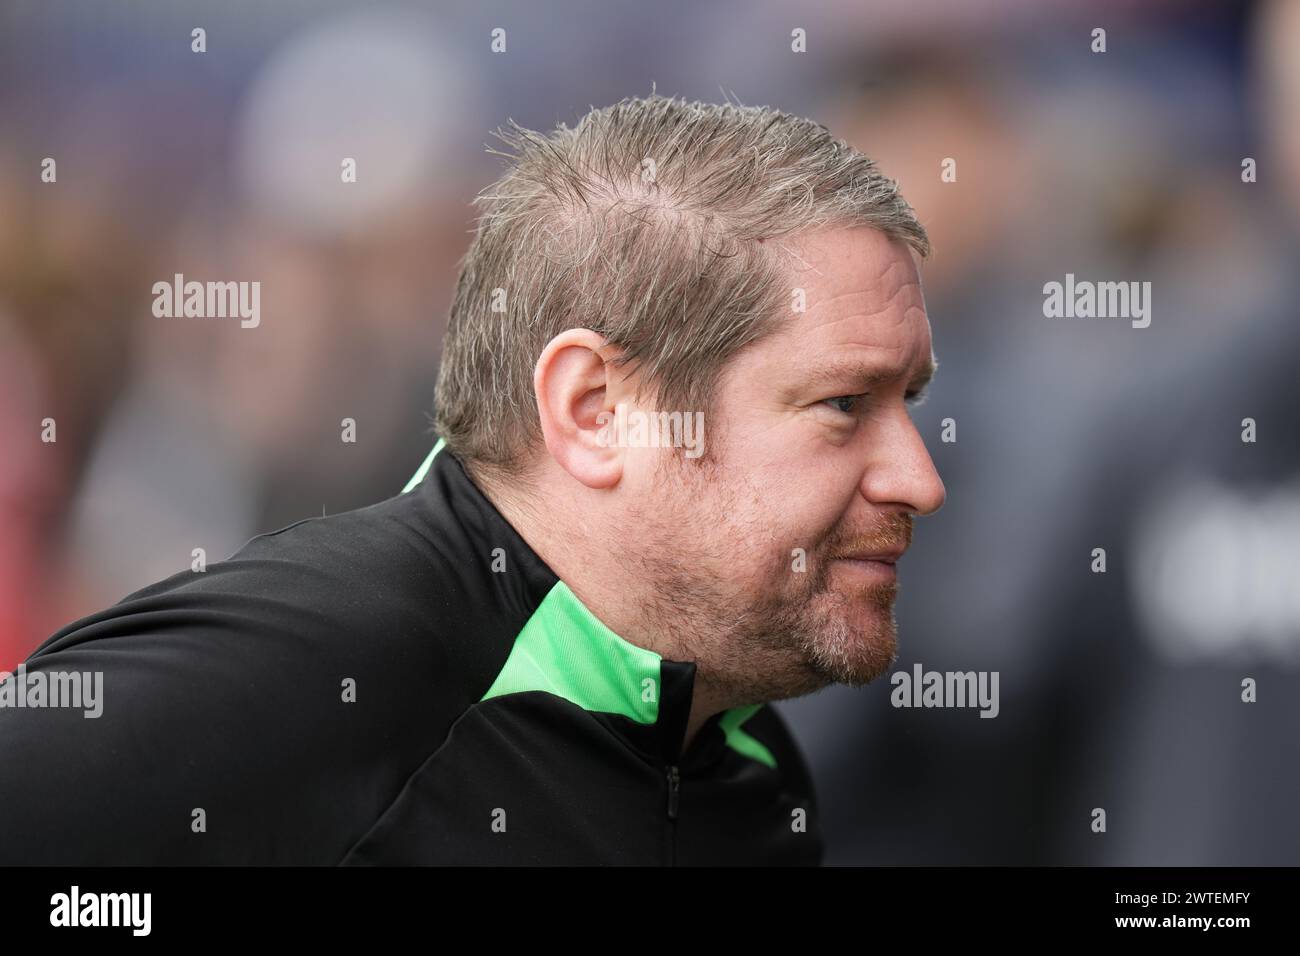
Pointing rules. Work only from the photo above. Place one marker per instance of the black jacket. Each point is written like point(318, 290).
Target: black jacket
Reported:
point(406, 683)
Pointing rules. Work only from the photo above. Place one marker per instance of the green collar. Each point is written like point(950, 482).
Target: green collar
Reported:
point(565, 650)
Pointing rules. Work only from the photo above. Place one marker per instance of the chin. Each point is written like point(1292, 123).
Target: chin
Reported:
point(857, 647)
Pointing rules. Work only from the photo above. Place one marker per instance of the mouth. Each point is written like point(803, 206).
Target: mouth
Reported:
point(889, 557)
point(876, 568)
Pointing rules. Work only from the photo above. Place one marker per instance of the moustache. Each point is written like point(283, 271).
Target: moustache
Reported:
point(892, 535)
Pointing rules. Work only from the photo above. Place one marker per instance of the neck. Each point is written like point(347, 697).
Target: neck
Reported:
point(574, 563)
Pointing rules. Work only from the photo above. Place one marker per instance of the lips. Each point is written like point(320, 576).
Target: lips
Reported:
point(884, 557)
point(875, 568)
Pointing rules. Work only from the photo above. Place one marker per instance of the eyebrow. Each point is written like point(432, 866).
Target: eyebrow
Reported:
point(865, 375)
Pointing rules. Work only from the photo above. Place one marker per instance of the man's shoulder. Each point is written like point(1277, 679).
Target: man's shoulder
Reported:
point(290, 690)
point(377, 574)
point(296, 685)
point(379, 602)
point(367, 578)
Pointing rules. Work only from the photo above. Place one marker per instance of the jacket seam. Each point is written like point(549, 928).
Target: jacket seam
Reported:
point(405, 783)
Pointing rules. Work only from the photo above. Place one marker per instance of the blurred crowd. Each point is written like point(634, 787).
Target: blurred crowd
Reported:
point(1120, 690)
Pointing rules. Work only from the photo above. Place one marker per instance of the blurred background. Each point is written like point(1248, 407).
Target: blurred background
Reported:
point(1119, 690)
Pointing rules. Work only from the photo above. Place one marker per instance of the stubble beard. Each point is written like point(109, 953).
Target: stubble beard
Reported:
point(798, 633)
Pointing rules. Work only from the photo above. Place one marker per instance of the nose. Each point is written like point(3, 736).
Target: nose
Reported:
point(901, 472)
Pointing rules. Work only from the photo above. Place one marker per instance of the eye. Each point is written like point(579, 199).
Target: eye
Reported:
point(845, 403)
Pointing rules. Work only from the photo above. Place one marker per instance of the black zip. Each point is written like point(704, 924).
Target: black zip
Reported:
point(674, 787)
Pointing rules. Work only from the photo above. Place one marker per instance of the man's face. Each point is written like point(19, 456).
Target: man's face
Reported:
point(769, 560)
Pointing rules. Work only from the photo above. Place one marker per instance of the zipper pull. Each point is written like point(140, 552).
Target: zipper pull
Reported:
point(674, 785)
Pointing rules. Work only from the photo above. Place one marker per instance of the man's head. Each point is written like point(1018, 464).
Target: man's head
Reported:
point(726, 262)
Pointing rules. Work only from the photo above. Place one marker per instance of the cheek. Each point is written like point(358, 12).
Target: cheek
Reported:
point(800, 505)
point(817, 489)
point(771, 495)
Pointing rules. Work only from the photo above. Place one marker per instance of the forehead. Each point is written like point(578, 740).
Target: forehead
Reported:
point(862, 296)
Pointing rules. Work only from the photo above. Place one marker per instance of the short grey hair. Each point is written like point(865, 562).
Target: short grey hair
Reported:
point(646, 224)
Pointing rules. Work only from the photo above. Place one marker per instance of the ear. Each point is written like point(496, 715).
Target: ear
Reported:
point(575, 400)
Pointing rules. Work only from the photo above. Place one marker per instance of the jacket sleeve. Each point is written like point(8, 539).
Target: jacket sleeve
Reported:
point(259, 712)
